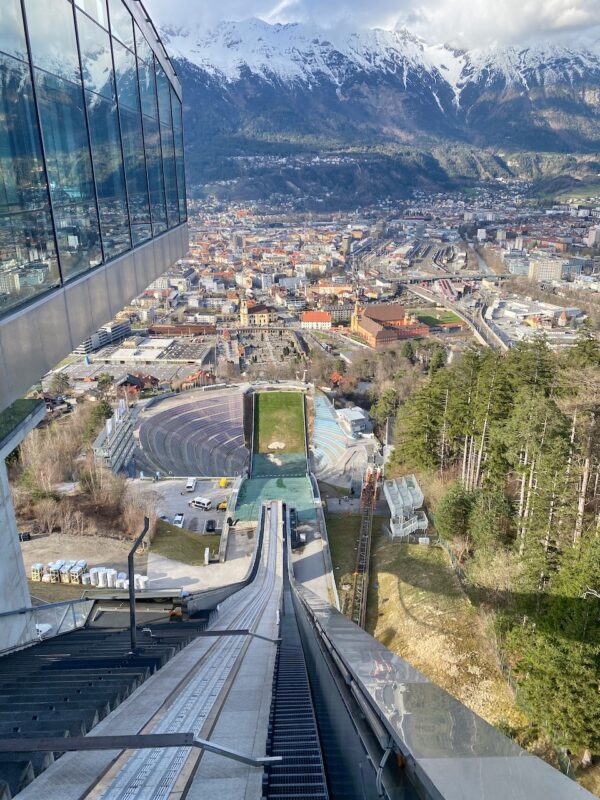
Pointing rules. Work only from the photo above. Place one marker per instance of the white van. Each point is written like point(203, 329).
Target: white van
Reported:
point(203, 503)
point(190, 485)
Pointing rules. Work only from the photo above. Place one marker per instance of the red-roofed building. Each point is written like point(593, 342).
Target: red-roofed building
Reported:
point(315, 321)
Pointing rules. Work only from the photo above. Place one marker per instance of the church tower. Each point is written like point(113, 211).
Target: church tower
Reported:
point(244, 313)
point(354, 323)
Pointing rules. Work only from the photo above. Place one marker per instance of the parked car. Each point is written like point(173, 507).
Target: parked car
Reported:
point(222, 506)
point(178, 520)
point(163, 517)
point(203, 503)
point(211, 525)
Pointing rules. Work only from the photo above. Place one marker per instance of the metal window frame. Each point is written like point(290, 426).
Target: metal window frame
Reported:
point(38, 119)
point(114, 39)
point(78, 10)
point(164, 193)
point(163, 148)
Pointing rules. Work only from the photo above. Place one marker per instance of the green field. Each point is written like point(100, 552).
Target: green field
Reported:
point(279, 419)
point(182, 545)
point(580, 192)
point(435, 317)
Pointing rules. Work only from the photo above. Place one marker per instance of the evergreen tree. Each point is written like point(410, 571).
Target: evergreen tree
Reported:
point(453, 511)
point(490, 519)
point(60, 383)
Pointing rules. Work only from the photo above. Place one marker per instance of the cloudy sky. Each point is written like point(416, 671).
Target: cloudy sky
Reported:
point(469, 23)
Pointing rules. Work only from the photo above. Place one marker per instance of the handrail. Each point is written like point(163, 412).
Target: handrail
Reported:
point(211, 598)
point(46, 606)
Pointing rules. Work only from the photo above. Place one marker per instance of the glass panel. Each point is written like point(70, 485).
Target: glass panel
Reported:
point(69, 172)
point(155, 176)
point(177, 110)
point(96, 9)
point(168, 153)
point(180, 175)
point(78, 238)
point(164, 95)
point(22, 179)
point(28, 264)
point(168, 145)
point(52, 38)
point(121, 22)
point(135, 171)
point(148, 89)
point(109, 175)
point(179, 153)
point(12, 36)
point(96, 58)
point(144, 50)
point(127, 81)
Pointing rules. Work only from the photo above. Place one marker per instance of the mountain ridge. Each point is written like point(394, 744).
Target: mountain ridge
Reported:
point(298, 52)
point(251, 87)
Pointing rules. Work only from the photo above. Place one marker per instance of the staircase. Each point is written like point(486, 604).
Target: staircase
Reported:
point(66, 685)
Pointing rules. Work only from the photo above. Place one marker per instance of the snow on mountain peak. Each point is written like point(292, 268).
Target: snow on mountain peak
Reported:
point(299, 53)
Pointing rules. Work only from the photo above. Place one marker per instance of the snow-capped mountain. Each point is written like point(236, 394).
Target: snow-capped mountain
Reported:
point(297, 53)
point(252, 82)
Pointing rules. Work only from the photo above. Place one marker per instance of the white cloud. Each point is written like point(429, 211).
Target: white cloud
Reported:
point(468, 23)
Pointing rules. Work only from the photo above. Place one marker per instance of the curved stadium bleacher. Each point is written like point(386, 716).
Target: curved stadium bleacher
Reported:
point(203, 436)
point(329, 440)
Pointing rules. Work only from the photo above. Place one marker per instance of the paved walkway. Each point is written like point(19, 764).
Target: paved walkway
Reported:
point(165, 573)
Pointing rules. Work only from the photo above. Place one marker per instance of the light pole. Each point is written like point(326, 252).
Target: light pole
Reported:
point(130, 569)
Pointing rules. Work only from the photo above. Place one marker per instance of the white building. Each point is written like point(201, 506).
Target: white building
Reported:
point(405, 499)
point(354, 420)
point(315, 321)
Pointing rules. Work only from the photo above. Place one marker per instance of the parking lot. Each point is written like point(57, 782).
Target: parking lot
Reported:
point(171, 498)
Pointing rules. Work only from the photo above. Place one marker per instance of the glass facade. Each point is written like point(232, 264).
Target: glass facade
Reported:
point(91, 142)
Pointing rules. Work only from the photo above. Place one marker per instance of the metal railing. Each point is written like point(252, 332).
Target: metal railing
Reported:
point(44, 622)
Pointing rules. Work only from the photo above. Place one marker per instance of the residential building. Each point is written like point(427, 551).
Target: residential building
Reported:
point(315, 321)
point(546, 268)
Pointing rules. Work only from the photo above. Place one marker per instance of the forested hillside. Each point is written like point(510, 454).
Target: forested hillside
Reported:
point(516, 439)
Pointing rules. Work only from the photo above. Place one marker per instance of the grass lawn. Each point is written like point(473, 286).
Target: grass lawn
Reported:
point(329, 490)
point(416, 608)
point(579, 192)
point(55, 592)
point(435, 317)
point(343, 531)
point(181, 545)
point(279, 417)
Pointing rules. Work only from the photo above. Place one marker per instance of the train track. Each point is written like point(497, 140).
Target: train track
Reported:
point(360, 578)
